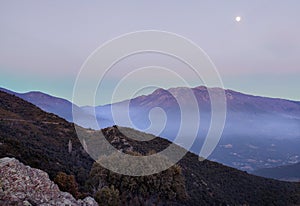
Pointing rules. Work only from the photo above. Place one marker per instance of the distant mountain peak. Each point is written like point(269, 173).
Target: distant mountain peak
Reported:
point(200, 88)
point(160, 91)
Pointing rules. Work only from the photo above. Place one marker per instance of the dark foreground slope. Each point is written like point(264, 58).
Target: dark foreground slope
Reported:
point(41, 140)
point(48, 103)
point(211, 183)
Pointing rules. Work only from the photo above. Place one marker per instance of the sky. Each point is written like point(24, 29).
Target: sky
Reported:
point(43, 44)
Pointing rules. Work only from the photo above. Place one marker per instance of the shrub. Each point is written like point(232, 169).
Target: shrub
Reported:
point(108, 196)
point(67, 183)
point(168, 185)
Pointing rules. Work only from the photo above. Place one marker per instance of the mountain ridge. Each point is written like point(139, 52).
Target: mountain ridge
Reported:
point(269, 124)
point(197, 87)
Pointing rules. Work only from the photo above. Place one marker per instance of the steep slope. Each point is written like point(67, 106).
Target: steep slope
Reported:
point(286, 172)
point(48, 103)
point(210, 183)
point(40, 139)
point(55, 105)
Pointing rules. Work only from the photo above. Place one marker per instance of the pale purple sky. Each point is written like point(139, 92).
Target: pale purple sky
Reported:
point(44, 43)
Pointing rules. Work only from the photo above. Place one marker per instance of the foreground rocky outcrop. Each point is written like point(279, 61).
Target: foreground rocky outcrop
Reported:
point(23, 185)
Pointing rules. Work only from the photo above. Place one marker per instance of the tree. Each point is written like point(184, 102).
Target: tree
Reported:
point(67, 183)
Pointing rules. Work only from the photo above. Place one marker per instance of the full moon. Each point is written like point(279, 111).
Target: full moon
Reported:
point(238, 18)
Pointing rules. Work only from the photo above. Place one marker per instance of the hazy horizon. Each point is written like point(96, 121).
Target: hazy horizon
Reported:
point(145, 93)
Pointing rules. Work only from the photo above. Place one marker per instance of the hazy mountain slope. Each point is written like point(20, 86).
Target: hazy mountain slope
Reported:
point(286, 172)
point(259, 132)
point(246, 114)
point(48, 103)
point(239, 107)
point(40, 139)
point(55, 105)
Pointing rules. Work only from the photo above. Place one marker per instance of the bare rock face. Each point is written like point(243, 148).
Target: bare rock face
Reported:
point(23, 185)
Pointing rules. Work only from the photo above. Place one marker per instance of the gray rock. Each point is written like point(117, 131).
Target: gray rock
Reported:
point(23, 185)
